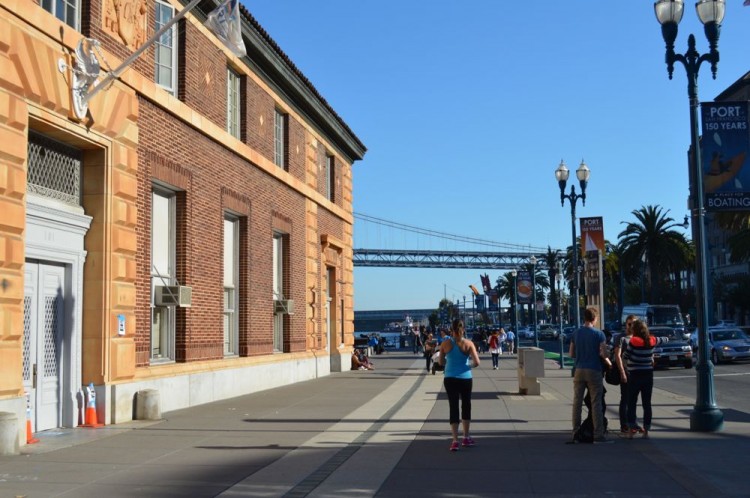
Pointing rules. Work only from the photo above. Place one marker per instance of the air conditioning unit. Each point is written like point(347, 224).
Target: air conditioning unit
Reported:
point(173, 295)
point(283, 306)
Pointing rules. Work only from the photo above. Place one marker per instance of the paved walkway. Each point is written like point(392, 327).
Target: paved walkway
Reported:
point(385, 433)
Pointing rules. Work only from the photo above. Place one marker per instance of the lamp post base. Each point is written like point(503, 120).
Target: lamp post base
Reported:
point(706, 419)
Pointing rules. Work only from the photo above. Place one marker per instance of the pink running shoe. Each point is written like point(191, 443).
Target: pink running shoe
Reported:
point(454, 446)
point(467, 441)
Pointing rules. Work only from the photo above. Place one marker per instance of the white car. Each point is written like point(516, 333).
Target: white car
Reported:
point(525, 333)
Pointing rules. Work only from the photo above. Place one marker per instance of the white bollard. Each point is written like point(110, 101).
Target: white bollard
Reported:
point(148, 405)
point(8, 434)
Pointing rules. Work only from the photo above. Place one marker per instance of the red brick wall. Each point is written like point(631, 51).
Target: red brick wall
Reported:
point(186, 159)
point(259, 112)
point(203, 75)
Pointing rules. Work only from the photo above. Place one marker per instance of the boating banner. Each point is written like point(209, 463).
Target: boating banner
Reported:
point(592, 234)
point(725, 147)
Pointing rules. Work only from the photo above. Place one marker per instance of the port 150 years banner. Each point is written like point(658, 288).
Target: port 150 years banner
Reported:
point(725, 147)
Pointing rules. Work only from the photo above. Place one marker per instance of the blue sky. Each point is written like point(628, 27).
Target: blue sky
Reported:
point(466, 109)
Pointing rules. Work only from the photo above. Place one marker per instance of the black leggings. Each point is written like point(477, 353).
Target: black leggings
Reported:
point(458, 388)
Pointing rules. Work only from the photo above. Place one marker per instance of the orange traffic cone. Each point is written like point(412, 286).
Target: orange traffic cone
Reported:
point(91, 418)
point(30, 439)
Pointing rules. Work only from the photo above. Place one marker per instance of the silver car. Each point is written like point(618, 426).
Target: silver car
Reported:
point(726, 343)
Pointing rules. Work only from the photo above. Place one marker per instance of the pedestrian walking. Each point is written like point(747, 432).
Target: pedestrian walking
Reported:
point(496, 347)
point(511, 343)
point(589, 349)
point(430, 346)
point(417, 338)
point(639, 356)
point(459, 355)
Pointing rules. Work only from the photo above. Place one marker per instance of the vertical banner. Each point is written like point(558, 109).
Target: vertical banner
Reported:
point(593, 250)
point(725, 146)
point(592, 235)
point(594, 281)
point(524, 287)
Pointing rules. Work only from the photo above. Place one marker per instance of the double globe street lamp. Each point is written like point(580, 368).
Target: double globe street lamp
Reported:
point(514, 273)
point(533, 260)
point(561, 174)
point(705, 417)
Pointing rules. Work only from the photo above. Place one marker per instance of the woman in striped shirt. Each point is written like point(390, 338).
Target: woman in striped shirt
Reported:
point(639, 356)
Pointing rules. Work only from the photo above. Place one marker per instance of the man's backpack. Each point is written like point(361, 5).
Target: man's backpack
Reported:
point(585, 433)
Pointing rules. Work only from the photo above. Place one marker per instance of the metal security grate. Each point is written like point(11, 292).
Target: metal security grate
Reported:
point(26, 338)
point(51, 326)
point(54, 169)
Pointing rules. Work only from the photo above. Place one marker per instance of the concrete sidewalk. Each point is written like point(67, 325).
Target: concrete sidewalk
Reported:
point(384, 433)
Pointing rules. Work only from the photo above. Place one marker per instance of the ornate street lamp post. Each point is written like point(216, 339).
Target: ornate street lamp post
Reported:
point(558, 277)
point(705, 417)
point(561, 174)
point(532, 260)
point(513, 273)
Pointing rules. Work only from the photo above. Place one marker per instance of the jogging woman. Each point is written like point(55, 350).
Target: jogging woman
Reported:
point(459, 355)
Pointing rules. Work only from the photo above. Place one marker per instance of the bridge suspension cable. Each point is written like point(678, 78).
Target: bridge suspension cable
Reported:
point(448, 236)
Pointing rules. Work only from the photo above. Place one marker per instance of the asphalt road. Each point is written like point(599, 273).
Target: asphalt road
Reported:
point(731, 381)
point(731, 384)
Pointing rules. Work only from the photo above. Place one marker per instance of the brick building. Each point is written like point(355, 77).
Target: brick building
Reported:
point(191, 234)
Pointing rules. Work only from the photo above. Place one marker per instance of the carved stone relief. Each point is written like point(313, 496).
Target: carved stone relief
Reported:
point(126, 20)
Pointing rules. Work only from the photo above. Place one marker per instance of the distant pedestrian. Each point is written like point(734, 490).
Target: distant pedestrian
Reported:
point(639, 355)
point(511, 342)
point(443, 335)
point(430, 346)
point(459, 355)
point(417, 338)
point(589, 349)
point(496, 347)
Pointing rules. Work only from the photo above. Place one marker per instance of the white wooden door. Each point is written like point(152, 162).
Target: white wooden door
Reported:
point(43, 340)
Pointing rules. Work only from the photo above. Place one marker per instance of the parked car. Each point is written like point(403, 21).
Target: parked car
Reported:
point(525, 333)
point(726, 343)
point(726, 323)
point(676, 352)
point(568, 333)
point(548, 333)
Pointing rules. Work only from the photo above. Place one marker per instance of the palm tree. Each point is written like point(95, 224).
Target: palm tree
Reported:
point(652, 240)
point(542, 283)
point(506, 290)
point(551, 258)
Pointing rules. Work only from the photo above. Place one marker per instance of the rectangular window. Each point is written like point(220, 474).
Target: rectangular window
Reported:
point(163, 273)
point(233, 103)
point(165, 49)
point(330, 178)
point(279, 139)
point(231, 289)
point(65, 10)
point(278, 291)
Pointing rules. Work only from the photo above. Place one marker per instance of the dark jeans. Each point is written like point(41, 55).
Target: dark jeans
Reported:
point(428, 358)
point(455, 389)
point(495, 359)
point(623, 411)
point(640, 382)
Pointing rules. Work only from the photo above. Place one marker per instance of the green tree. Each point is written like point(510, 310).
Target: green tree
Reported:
point(551, 259)
point(652, 241)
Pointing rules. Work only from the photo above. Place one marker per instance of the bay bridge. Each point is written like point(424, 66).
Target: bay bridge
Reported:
point(502, 256)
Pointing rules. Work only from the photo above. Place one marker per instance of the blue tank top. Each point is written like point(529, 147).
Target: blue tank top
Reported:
point(457, 363)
